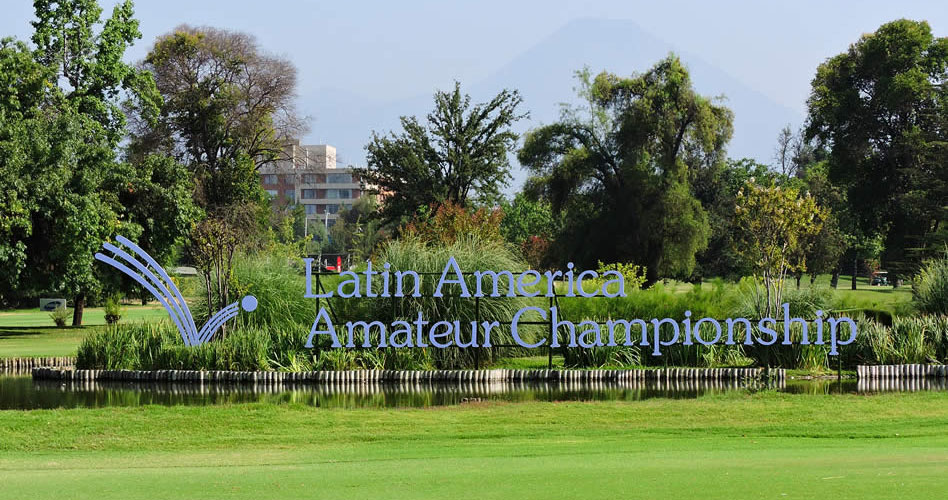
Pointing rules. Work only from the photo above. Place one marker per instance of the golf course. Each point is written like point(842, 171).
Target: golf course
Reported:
point(473, 250)
point(734, 446)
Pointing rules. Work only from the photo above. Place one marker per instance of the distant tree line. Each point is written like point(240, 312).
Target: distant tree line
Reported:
point(639, 172)
point(164, 152)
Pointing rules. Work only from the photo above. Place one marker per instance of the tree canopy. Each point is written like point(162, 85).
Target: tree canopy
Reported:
point(458, 155)
point(619, 168)
point(228, 108)
point(881, 108)
point(61, 126)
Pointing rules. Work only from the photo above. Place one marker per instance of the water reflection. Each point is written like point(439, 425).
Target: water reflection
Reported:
point(22, 392)
point(25, 393)
point(905, 384)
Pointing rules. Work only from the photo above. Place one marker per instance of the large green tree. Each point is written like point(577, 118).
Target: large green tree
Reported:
point(525, 217)
point(458, 155)
point(619, 168)
point(881, 108)
point(23, 87)
point(228, 109)
point(74, 212)
point(61, 126)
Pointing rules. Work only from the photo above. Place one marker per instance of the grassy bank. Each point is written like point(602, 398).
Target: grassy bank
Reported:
point(766, 445)
point(92, 316)
point(28, 333)
point(34, 342)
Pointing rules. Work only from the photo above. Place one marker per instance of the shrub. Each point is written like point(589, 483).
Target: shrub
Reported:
point(59, 316)
point(930, 287)
point(659, 301)
point(633, 275)
point(276, 280)
point(536, 250)
point(283, 314)
point(159, 347)
point(450, 222)
point(472, 254)
point(113, 310)
point(908, 340)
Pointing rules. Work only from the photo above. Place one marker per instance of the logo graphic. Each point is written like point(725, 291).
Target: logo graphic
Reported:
point(161, 286)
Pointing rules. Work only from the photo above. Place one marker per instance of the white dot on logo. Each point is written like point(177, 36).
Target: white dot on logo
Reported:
point(248, 303)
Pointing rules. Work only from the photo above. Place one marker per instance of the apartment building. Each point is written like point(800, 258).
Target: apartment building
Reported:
point(310, 177)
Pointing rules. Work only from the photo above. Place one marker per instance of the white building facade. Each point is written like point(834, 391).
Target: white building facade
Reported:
point(310, 177)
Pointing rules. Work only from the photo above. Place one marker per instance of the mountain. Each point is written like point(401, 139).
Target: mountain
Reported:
point(544, 74)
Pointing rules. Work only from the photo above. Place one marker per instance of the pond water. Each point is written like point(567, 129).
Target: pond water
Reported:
point(21, 392)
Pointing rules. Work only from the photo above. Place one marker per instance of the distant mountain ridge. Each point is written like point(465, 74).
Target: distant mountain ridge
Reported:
point(544, 74)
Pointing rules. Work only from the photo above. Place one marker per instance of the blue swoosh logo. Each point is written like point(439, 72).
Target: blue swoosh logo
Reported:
point(156, 280)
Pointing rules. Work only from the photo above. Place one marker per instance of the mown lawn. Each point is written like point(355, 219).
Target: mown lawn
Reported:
point(732, 446)
point(30, 332)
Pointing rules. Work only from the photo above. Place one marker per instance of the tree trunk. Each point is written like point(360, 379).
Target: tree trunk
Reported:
point(79, 305)
point(799, 277)
point(855, 271)
point(812, 280)
point(834, 282)
point(651, 271)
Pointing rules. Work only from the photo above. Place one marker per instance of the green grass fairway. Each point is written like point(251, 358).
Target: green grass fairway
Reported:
point(92, 316)
point(32, 342)
point(718, 447)
point(30, 332)
point(885, 298)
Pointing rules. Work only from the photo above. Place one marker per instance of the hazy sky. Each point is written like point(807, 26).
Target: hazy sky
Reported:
point(393, 50)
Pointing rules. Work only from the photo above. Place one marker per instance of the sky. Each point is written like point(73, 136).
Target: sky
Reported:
point(387, 51)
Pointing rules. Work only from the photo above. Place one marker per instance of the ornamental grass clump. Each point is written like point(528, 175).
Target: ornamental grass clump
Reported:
point(472, 253)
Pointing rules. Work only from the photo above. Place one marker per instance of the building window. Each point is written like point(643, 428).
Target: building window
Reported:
point(290, 194)
point(310, 209)
point(330, 223)
point(271, 179)
point(272, 192)
point(339, 178)
point(338, 194)
point(333, 208)
point(308, 194)
point(309, 178)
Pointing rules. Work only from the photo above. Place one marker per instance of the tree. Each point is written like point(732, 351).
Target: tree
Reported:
point(784, 152)
point(826, 247)
point(358, 230)
point(525, 218)
point(881, 108)
point(61, 123)
point(775, 226)
point(228, 108)
point(794, 153)
point(459, 155)
point(215, 240)
point(82, 123)
point(155, 194)
point(716, 188)
point(619, 168)
point(22, 90)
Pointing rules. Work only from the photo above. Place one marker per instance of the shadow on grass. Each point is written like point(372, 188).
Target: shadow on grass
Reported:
point(16, 331)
